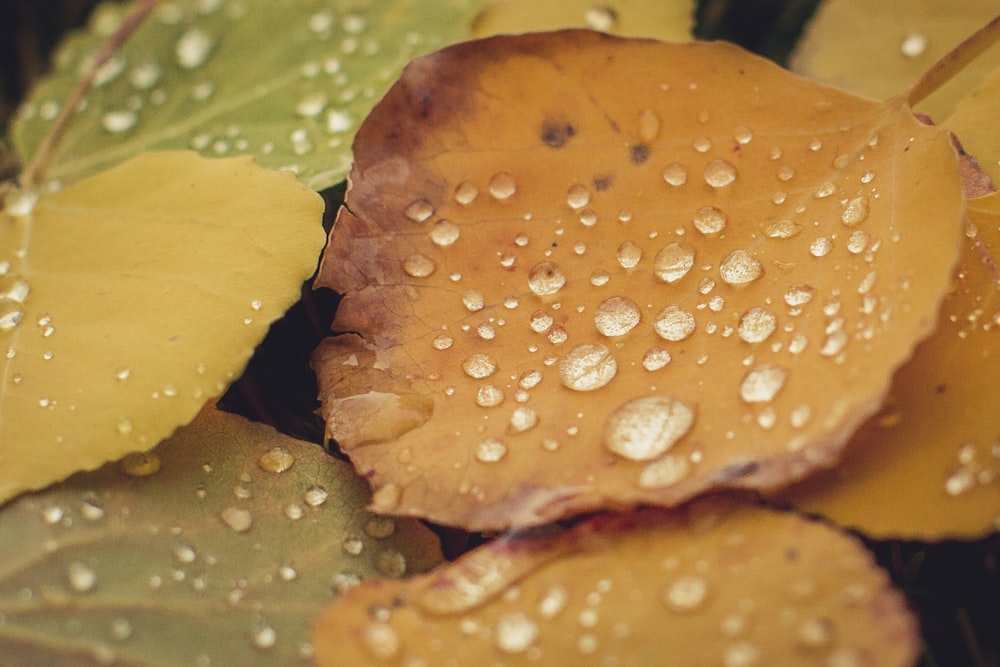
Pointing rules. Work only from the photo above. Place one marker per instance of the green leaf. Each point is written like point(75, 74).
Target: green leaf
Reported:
point(287, 81)
point(200, 553)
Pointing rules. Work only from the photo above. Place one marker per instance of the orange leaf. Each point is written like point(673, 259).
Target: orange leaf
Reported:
point(589, 272)
point(928, 466)
point(706, 586)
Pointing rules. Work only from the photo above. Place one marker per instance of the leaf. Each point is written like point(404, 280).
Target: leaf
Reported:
point(150, 284)
point(902, 38)
point(219, 547)
point(927, 466)
point(649, 282)
point(202, 75)
point(669, 21)
point(703, 586)
point(973, 122)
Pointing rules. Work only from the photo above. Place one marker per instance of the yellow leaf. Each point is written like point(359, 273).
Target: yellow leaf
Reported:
point(704, 586)
point(975, 124)
point(148, 287)
point(673, 268)
point(669, 20)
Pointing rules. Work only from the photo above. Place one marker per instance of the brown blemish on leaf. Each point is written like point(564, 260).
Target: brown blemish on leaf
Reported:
point(556, 134)
point(773, 290)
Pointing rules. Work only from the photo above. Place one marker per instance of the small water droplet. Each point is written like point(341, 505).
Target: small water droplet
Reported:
point(702, 144)
point(756, 325)
point(522, 419)
point(185, 553)
point(577, 197)
point(444, 233)
point(11, 314)
point(686, 594)
point(82, 578)
point(489, 396)
point(629, 255)
point(380, 527)
point(419, 266)
point(502, 186)
point(473, 301)
point(264, 637)
point(741, 654)
point(663, 472)
point(353, 545)
point(743, 135)
point(675, 174)
point(121, 628)
point(855, 211)
point(835, 342)
point(490, 450)
point(315, 495)
point(587, 367)
point(515, 633)
point(673, 262)
point(644, 428)
point(655, 358)
point(14, 287)
point(857, 242)
point(820, 247)
point(815, 632)
point(276, 460)
point(442, 342)
point(617, 316)
point(380, 640)
point(824, 190)
point(466, 193)
point(719, 173)
point(799, 295)
point(479, 366)
point(709, 220)
point(236, 518)
point(119, 121)
point(739, 268)
point(674, 324)
point(782, 229)
point(419, 210)
point(913, 45)
point(140, 464)
point(546, 278)
point(193, 48)
point(763, 383)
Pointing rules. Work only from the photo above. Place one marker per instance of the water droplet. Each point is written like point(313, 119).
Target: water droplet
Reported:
point(353, 545)
point(473, 301)
point(502, 186)
point(649, 126)
point(490, 450)
point(756, 325)
point(380, 640)
point(546, 278)
point(719, 173)
point(739, 268)
point(466, 193)
point(655, 358)
point(479, 366)
point(740, 654)
point(315, 495)
point(14, 287)
point(145, 75)
point(185, 553)
point(380, 527)
point(553, 602)
point(529, 379)
point(763, 383)
point(629, 255)
point(264, 637)
point(913, 45)
point(419, 210)
point(834, 343)
point(587, 367)
point(675, 174)
point(193, 48)
point(489, 396)
point(617, 316)
point(799, 295)
point(11, 314)
point(121, 628)
point(709, 220)
point(419, 266)
point(276, 460)
point(515, 633)
point(82, 578)
point(674, 324)
point(442, 342)
point(577, 197)
point(743, 135)
point(673, 262)
point(444, 233)
point(140, 464)
point(390, 563)
point(686, 594)
point(855, 211)
point(702, 144)
point(782, 229)
point(644, 428)
point(91, 512)
point(824, 190)
point(857, 242)
point(294, 511)
point(522, 419)
point(815, 632)
point(119, 121)
point(238, 519)
point(663, 472)
point(820, 247)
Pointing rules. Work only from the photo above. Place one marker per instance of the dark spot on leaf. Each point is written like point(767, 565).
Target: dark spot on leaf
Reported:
point(602, 182)
point(556, 133)
point(737, 470)
point(941, 388)
point(638, 153)
point(791, 554)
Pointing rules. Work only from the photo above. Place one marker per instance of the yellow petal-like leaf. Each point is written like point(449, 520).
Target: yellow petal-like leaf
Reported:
point(675, 268)
point(142, 292)
point(219, 547)
point(698, 587)
point(928, 466)
point(669, 20)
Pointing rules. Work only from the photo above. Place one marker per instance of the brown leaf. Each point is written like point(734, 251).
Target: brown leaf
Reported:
point(705, 586)
point(587, 272)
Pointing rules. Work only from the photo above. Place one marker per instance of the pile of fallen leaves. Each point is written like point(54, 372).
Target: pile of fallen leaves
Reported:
point(658, 320)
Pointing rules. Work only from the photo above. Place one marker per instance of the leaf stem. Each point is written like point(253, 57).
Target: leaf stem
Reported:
point(34, 172)
point(954, 61)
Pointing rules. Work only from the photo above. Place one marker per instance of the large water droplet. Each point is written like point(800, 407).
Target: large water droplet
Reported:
point(820, 247)
point(11, 314)
point(709, 220)
point(663, 472)
point(675, 174)
point(490, 450)
point(617, 316)
point(489, 396)
point(756, 325)
point(473, 301)
point(515, 633)
point(719, 173)
point(674, 324)
point(193, 48)
point(546, 278)
point(14, 287)
point(629, 255)
point(236, 518)
point(444, 233)
point(644, 428)
point(479, 366)
point(419, 266)
point(855, 211)
point(276, 460)
point(673, 262)
point(740, 268)
point(686, 594)
point(763, 383)
point(502, 186)
point(655, 358)
point(419, 210)
point(577, 197)
point(587, 367)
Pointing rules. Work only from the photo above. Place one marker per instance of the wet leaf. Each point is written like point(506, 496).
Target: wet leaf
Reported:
point(704, 586)
point(132, 297)
point(904, 38)
point(974, 122)
point(928, 465)
point(671, 20)
point(649, 282)
point(197, 75)
point(219, 547)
